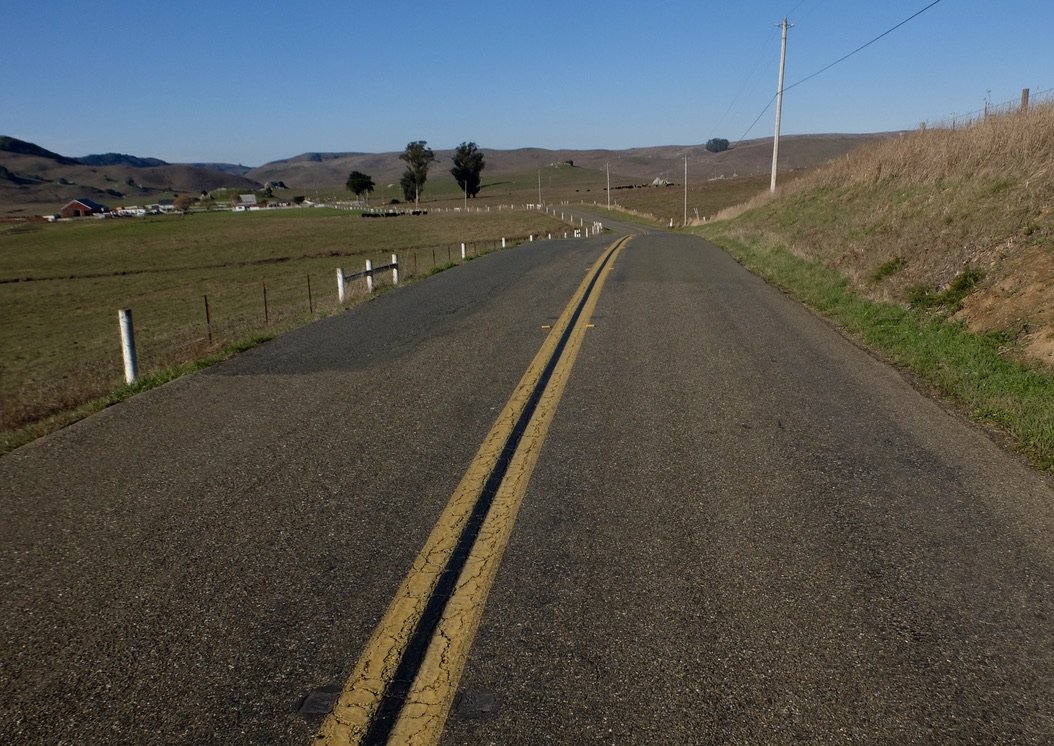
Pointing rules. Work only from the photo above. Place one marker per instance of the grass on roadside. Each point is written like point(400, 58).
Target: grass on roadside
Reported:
point(12, 439)
point(967, 368)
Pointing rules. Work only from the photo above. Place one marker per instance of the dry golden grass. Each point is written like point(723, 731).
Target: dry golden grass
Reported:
point(906, 217)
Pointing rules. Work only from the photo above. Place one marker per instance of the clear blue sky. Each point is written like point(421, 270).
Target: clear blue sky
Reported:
point(252, 82)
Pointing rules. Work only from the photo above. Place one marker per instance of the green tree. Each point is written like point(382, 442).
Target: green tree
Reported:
point(409, 186)
point(418, 157)
point(468, 164)
point(716, 144)
point(360, 184)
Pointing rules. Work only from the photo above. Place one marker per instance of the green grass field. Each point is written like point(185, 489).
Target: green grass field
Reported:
point(62, 284)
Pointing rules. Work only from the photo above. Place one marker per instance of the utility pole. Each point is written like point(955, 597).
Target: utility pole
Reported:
point(539, 188)
point(686, 190)
point(779, 104)
point(608, 166)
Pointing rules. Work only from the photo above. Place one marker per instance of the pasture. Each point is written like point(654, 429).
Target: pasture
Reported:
point(62, 284)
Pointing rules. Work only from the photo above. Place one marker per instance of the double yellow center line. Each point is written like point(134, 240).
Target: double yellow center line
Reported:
point(405, 680)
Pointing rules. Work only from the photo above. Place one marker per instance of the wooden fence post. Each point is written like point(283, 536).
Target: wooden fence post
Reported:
point(208, 318)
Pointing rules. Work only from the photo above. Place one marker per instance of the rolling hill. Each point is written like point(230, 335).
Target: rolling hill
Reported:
point(36, 181)
point(330, 170)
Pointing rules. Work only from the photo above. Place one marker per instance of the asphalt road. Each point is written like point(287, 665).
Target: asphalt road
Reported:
point(742, 529)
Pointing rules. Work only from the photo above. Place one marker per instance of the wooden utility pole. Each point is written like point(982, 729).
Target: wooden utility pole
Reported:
point(779, 104)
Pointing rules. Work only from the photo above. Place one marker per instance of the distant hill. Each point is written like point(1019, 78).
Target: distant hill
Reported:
point(330, 170)
point(120, 159)
point(235, 169)
point(21, 147)
point(36, 181)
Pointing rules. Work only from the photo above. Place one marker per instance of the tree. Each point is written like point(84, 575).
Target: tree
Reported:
point(183, 202)
point(418, 157)
point(716, 144)
point(468, 164)
point(409, 186)
point(360, 184)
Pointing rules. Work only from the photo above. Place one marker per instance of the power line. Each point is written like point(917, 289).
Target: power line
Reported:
point(747, 83)
point(862, 47)
point(809, 12)
point(744, 135)
point(838, 61)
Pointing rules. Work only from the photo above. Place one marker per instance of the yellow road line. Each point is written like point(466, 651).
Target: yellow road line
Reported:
point(434, 687)
point(428, 703)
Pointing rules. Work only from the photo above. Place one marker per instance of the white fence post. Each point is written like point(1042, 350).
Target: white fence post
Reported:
point(503, 242)
point(341, 286)
point(395, 269)
point(369, 276)
point(131, 362)
point(462, 249)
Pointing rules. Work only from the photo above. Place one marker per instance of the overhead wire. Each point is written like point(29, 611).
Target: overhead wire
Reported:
point(750, 76)
point(763, 57)
point(861, 47)
point(824, 69)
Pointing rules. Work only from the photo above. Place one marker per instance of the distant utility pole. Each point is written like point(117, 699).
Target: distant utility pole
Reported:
point(779, 104)
point(686, 189)
point(539, 187)
point(608, 166)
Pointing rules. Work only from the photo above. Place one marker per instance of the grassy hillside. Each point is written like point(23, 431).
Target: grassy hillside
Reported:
point(956, 220)
point(34, 181)
point(937, 248)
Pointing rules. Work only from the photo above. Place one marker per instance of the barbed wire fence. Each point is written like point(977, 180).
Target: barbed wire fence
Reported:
point(1029, 101)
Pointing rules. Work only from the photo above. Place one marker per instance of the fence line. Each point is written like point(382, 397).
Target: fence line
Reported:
point(1026, 104)
point(278, 310)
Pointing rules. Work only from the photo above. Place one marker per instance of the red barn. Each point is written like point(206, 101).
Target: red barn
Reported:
point(79, 208)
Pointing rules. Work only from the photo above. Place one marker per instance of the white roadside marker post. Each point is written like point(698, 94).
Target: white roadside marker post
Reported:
point(131, 362)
